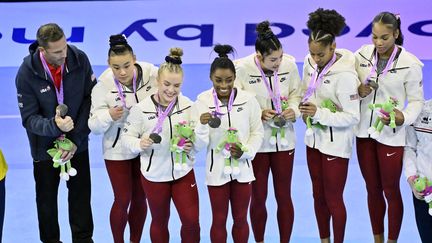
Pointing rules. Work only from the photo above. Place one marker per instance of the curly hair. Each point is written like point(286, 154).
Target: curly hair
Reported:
point(324, 25)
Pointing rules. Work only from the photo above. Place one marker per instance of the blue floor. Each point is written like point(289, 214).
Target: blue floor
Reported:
point(21, 219)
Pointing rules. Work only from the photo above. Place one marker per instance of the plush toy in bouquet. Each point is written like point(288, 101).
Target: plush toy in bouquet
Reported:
point(385, 110)
point(277, 125)
point(327, 104)
point(183, 132)
point(62, 144)
point(231, 139)
point(424, 186)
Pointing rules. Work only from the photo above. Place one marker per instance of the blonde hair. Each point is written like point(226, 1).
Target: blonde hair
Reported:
point(172, 62)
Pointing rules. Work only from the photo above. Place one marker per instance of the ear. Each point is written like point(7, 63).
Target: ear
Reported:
point(41, 49)
point(396, 34)
point(134, 58)
point(333, 46)
point(260, 56)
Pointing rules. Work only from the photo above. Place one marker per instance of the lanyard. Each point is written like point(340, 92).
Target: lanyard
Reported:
point(316, 79)
point(216, 102)
point(59, 92)
point(275, 96)
point(162, 115)
point(387, 67)
point(120, 90)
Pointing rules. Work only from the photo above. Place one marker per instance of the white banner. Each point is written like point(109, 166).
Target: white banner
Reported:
point(154, 26)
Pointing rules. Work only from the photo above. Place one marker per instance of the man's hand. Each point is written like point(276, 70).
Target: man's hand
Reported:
point(68, 154)
point(65, 124)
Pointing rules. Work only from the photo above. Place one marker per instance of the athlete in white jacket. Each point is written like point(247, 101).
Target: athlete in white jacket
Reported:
point(418, 163)
point(272, 75)
point(329, 75)
point(121, 86)
point(238, 112)
point(386, 70)
point(155, 119)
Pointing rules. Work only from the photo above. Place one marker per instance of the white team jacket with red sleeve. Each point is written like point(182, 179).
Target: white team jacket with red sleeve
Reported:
point(245, 116)
point(403, 81)
point(105, 95)
point(248, 77)
point(340, 86)
point(418, 150)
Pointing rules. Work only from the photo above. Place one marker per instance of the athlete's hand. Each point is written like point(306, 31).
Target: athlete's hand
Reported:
point(187, 147)
point(364, 90)
point(236, 151)
point(399, 118)
point(267, 114)
point(205, 118)
point(308, 109)
point(417, 194)
point(289, 114)
point(116, 112)
point(145, 142)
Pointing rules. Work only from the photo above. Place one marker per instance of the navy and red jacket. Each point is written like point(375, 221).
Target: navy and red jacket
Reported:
point(37, 100)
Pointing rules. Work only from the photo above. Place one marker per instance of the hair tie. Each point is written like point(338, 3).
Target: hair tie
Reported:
point(397, 16)
point(173, 60)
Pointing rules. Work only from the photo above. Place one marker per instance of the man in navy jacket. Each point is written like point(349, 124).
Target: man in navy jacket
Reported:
point(57, 73)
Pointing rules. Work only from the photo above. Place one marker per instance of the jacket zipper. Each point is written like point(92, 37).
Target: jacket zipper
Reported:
point(117, 137)
point(331, 134)
point(272, 105)
point(212, 160)
point(172, 156)
point(150, 160)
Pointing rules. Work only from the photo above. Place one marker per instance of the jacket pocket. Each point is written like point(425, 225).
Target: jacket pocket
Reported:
point(150, 160)
point(117, 137)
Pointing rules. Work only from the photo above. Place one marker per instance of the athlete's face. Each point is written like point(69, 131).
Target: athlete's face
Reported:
point(55, 52)
point(383, 37)
point(123, 67)
point(223, 82)
point(271, 61)
point(169, 85)
point(320, 53)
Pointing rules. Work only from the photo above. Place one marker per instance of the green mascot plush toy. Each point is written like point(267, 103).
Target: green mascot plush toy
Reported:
point(385, 110)
point(231, 139)
point(424, 186)
point(281, 130)
point(328, 104)
point(61, 144)
point(183, 132)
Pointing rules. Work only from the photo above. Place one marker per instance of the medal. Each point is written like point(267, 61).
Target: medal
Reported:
point(63, 109)
point(279, 120)
point(214, 122)
point(155, 137)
